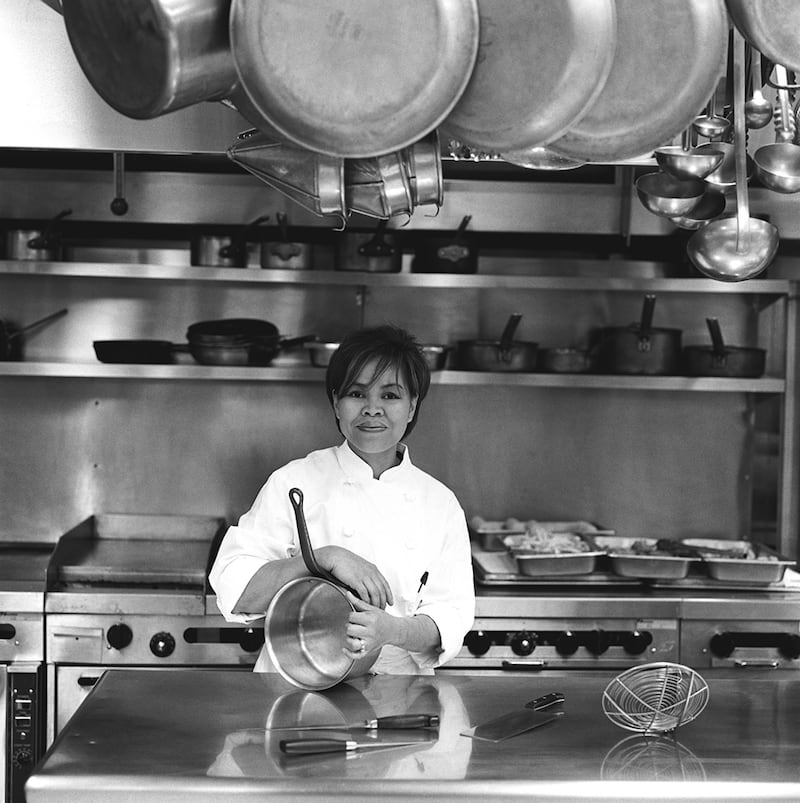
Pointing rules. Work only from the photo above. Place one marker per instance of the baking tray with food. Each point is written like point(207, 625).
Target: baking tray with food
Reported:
point(542, 552)
point(739, 561)
point(489, 535)
point(646, 558)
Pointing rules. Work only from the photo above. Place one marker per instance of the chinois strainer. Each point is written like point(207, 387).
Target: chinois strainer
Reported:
point(655, 698)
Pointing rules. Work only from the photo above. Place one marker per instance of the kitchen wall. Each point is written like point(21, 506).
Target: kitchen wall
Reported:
point(646, 463)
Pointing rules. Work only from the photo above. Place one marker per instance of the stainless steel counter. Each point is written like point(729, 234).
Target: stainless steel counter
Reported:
point(200, 735)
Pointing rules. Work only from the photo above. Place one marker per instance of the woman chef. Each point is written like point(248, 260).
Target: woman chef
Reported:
point(382, 526)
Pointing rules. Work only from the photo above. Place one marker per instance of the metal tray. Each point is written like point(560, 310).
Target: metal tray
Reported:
point(489, 535)
point(763, 564)
point(647, 566)
point(538, 563)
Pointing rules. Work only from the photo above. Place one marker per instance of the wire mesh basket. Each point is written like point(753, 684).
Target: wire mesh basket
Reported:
point(655, 698)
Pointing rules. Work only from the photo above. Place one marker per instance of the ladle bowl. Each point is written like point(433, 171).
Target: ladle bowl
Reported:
point(713, 251)
point(778, 167)
point(711, 206)
point(686, 165)
point(724, 177)
point(667, 196)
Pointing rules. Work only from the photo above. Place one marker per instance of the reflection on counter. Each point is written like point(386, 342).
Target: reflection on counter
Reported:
point(255, 753)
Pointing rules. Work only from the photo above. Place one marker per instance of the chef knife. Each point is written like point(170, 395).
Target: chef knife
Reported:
point(309, 747)
point(531, 716)
point(400, 722)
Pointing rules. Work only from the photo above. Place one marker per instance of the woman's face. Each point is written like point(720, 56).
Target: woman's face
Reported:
point(374, 412)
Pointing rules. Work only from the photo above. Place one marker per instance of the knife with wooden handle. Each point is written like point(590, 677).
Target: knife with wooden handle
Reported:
point(310, 747)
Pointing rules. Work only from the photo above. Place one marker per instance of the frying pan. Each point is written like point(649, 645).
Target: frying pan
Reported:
point(771, 27)
point(669, 58)
point(10, 337)
point(137, 352)
point(540, 65)
point(354, 78)
point(719, 359)
point(306, 622)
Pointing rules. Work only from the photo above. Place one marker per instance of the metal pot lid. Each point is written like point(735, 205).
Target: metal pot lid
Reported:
point(354, 78)
point(770, 26)
point(540, 65)
point(669, 59)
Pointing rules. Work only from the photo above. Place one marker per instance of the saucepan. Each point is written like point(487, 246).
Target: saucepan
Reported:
point(378, 253)
point(286, 253)
point(720, 359)
point(306, 622)
point(505, 354)
point(639, 348)
point(454, 254)
point(223, 251)
point(11, 337)
point(36, 244)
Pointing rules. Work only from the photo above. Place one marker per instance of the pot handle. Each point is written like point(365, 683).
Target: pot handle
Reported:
point(716, 336)
point(646, 322)
point(296, 498)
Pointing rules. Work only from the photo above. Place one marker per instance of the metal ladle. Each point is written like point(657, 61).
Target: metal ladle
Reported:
point(757, 110)
point(778, 164)
point(711, 124)
point(734, 249)
point(687, 163)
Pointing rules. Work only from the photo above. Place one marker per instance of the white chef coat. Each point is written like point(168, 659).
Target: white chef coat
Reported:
point(407, 523)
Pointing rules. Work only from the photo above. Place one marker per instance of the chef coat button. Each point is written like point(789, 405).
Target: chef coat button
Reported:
point(348, 533)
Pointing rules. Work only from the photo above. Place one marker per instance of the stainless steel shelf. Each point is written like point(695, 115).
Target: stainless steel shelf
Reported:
point(180, 273)
point(297, 373)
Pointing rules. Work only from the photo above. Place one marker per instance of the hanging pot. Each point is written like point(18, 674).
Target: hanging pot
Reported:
point(11, 337)
point(306, 622)
point(37, 244)
point(149, 57)
point(456, 254)
point(284, 253)
point(719, 359)
point(639, 348)
point(505, 354)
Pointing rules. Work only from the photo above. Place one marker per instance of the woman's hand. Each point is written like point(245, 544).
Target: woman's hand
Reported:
point(368, 629)
point(362, 576)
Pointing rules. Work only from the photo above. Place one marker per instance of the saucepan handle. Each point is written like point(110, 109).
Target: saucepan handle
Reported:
point(296, 498)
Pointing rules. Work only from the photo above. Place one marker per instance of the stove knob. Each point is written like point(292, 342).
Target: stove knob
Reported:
point(22, 757)
point(252, 640)
point(162, 645)
point(597, 642)
point(722, 645)
point(567, 643)
point(523, 643)
point(636, 643)
point(477, 642)
point(119, 636)
point(789, 645)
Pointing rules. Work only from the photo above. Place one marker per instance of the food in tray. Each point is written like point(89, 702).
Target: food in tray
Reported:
point(539, 540)
point(719, 549)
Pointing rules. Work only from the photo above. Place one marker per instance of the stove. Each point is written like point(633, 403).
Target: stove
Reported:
point(129, 590)
point(23, 567)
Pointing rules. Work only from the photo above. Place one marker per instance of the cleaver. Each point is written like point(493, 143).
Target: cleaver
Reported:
point(531, 716)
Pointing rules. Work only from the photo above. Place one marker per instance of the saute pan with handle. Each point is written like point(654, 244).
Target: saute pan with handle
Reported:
point(11, 338)
point(306, 622)
point(505, 354)
point(719, 359)
point(639, 348)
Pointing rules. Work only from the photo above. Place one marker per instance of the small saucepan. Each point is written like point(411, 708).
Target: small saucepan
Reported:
point(285, 253)
point(639, 348)
point(719, 359)
point(223, 251)
point(43, 245)
point(456, 254)
point(505, 354)
point(11, 337)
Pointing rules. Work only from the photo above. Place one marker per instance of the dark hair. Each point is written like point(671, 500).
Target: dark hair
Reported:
point(391, 346)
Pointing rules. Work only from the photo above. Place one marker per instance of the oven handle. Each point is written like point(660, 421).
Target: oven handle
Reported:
point(87, 681)
point(523, 666)
point(7, 631)
point(741, 664)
